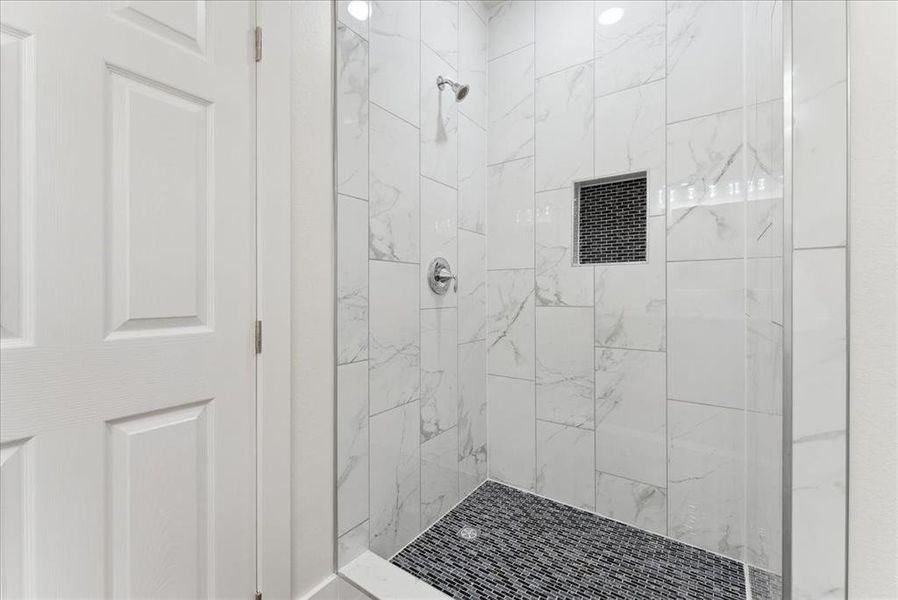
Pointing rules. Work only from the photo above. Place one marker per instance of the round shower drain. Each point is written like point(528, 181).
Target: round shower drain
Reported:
point(467, 533)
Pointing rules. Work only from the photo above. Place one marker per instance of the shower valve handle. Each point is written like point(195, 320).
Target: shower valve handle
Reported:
point(439, 276)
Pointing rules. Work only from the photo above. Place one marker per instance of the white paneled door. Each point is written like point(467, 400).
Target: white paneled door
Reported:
point(128, 286)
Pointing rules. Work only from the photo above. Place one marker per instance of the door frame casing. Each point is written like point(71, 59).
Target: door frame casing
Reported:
point(274, 300)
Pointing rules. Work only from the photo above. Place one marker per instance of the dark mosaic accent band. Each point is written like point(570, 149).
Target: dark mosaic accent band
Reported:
point(765, 585)
point(532, 547)
point(612, 220)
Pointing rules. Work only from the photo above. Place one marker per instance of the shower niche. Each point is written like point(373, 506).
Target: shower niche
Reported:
point(610, 220)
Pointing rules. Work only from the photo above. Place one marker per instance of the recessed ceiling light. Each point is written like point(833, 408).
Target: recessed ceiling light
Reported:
point(359, 9)
point(611, 16)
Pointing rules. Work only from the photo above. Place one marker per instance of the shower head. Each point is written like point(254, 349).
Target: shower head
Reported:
point(460, 90)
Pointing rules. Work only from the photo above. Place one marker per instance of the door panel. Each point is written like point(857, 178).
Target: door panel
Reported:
point(127, 409)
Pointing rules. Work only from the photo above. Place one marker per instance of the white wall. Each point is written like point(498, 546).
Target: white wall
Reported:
point(873, 460)
point(313, 296)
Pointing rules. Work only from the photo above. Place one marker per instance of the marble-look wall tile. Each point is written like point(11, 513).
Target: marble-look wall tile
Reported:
point(706, 471)
point(394, 351)
point(352, 279)
point(511, 107)
point(558, 281)
point(510, 219)
point(564, 127)
point(630, 137)
point(564, 34)
point(820, 59)
point(472, 416)
point(564, 366)
point(564, 464)
point(352, 113)
point(360, 26)
point(631, 51)
point(471, 286)
point(394, 188)
point(820, 180)
point(706, 203)
point(631, 414)
point(352, 544)
point(439, 121)
point(439, 29)
point(819, 411)
point(820, 117)
point(764, 331)
point(510, 323)
point(473, 46)
point(510, 27)
point(394, 41)
point(439, 237)
point(633, 502)
point(764, 179)
point(512, 427)
point(630, 299)
point(763, 50)
point(395, 479)
point(481, 7)
point(352, 445)
point(764, 491)
point(439, 476)
point(439, 372)
point(704, 58)
point(471, 176)
point(706, 325)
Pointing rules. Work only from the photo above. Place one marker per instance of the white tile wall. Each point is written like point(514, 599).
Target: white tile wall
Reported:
point(471, 176)
point(706, 490)
point(472, 416)
point(706, 328)
point(565, 465)
point(564, 369)
point(395, 483)
point(510, 27)
point(439, 29)
point(352, 446)
point(420, 192)
point(564, 34)
point(632, 502)
point(706, 204)
point(439, 237)
point(630, 52)
point(394, 40)
point(631, 415)
point(394, 188)
point(630, 137)
point(512, 431)
point(564, 127)
point(352, 114)
point(558, 282)
point(471, 286)
point(352, 279)
point(510, 323)
point(511, 107)
point(704, 58)
point(439, 372)
point(439, 476)
point(439, 120)
point(510, 215)
point(394, 352)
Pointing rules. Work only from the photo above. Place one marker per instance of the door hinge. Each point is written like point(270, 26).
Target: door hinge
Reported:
point(258, 44)
point(258, 337)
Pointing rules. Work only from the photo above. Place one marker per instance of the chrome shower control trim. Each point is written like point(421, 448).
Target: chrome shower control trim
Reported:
point(439, 275)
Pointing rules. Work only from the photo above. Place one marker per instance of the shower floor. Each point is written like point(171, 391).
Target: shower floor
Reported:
point(527, 546)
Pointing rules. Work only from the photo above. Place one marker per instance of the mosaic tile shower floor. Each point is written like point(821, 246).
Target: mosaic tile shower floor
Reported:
point(531, 547)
